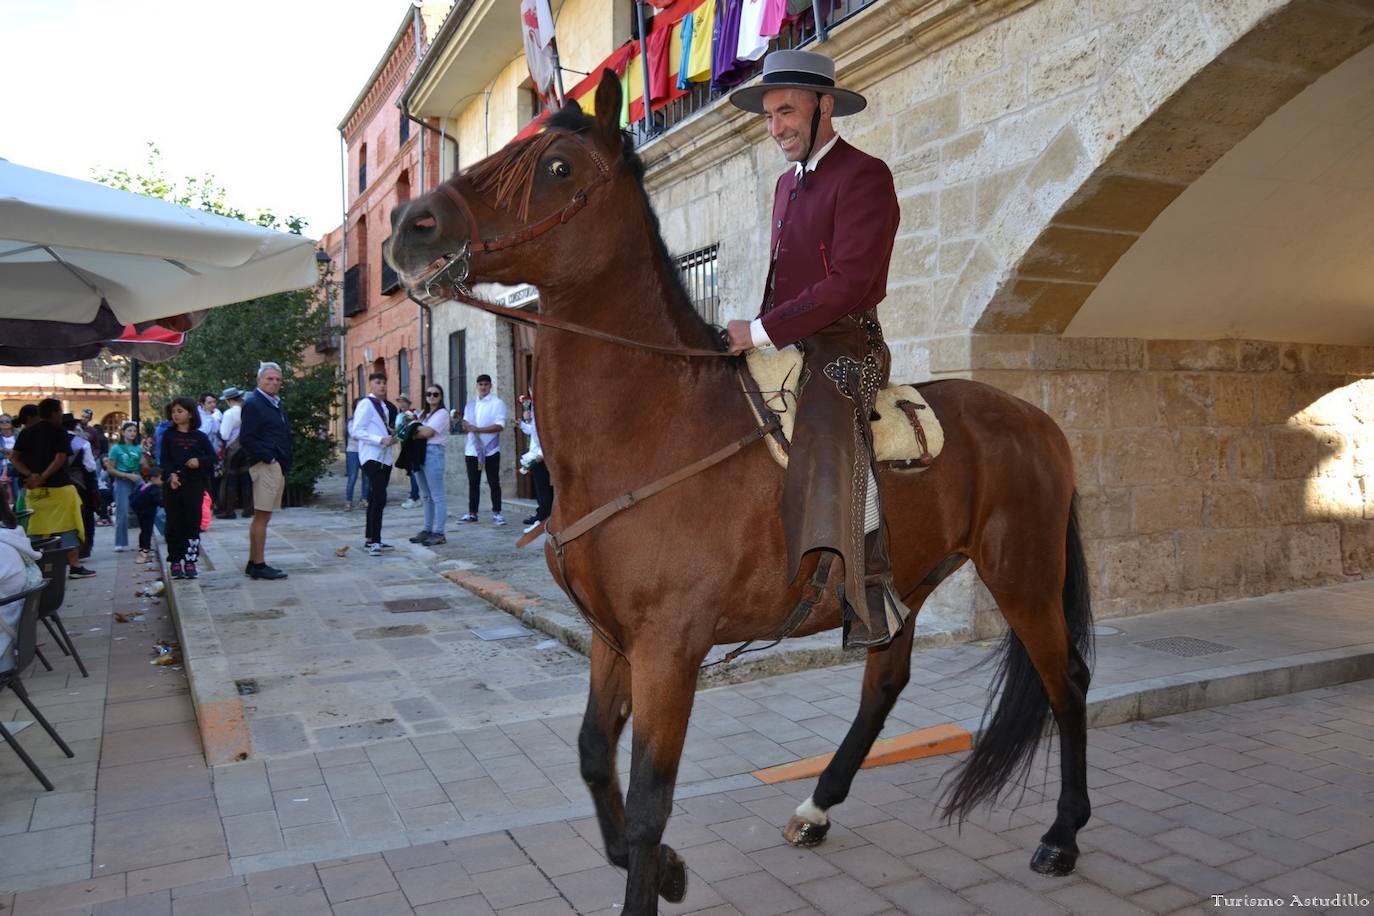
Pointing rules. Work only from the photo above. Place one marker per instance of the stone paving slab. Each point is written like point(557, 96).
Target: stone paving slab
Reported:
point(888, 850)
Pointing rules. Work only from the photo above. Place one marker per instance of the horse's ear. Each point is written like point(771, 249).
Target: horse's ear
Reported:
point(608, 100)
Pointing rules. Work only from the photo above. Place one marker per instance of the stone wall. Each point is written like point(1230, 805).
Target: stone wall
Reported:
point(1207, 470)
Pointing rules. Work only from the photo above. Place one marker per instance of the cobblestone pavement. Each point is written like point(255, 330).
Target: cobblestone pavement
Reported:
point(1266, 799)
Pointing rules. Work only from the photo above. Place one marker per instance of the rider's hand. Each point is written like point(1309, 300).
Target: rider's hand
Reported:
point(740, 337)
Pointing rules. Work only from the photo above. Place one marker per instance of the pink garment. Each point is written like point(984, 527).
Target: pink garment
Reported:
point(774, 12)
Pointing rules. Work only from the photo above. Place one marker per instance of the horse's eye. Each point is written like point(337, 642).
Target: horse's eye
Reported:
point(559, 168)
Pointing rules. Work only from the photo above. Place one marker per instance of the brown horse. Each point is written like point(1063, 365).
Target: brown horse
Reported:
point(703, 562)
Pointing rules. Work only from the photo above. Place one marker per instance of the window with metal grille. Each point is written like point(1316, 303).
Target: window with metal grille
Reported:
point(699, 276)
point(457, 378)
point(403, 370)
point(390, 281)
point(362, 168)
point(405, 129)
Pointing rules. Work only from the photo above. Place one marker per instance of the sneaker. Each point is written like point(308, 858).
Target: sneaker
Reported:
point(80, 572)
point(529, 520)
point(497, 518)
point(190, 571)
point(348, 507)
point(410, 504)
point(120, 549)
point(532, 526)
point(468, 518)
point(263, 571)
point(178, 571)
point(434, 540)
point(420, 538)
point(363, 504)
point(384, 547)
point(374, 550)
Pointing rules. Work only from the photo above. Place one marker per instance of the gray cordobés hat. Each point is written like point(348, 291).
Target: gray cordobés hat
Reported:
point(798, 70)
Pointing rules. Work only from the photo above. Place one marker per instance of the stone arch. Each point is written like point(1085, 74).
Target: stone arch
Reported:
point(1108, 174)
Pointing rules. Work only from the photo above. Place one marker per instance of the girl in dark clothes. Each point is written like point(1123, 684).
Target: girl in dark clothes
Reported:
point(187, 459)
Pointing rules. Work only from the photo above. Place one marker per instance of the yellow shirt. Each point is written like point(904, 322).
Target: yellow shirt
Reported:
point(699, 56)
point(55, 510)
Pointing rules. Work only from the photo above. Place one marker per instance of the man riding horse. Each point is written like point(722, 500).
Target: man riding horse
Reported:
point(835, 215)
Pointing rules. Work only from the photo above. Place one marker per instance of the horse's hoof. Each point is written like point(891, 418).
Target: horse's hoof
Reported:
point(800, 832)
point(1053, 861)
point(672, 875)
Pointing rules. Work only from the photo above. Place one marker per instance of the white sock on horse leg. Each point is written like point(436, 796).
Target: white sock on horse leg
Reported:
point(808, 812)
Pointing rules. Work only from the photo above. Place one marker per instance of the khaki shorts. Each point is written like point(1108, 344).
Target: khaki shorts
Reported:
point(268, 484)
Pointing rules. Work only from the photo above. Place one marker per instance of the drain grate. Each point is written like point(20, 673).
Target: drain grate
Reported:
point(246, 687)
point(1184, 646)
point(413, 605)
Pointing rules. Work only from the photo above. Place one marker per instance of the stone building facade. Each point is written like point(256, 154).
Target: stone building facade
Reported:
point(1151, 218)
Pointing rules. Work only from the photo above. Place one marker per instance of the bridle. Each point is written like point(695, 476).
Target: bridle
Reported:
point(450, 271)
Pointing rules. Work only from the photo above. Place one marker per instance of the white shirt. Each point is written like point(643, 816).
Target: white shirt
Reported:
point(82, 448)
point(369, 429)
point(230, 423)
point(752, 44)
point(438, 421)
point(487, 411)
point(756, 331)
point(209, 424)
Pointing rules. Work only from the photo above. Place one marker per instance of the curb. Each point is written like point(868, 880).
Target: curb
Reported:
point(819, 651)
point(224, 734)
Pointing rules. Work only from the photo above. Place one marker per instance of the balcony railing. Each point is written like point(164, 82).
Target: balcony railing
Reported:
point(701, 97)
point(354, 293)
point(328, 339)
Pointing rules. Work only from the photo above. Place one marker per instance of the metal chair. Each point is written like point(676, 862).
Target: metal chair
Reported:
point(23, 653)
point(54, 567)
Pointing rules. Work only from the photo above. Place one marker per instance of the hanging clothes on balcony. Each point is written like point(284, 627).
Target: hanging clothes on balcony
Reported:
point(752, 43)
point(698, 66)
point(660, 43)
point(774, 14)
point(727, 69)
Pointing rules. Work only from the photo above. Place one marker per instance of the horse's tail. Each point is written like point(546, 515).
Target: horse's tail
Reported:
point(1010, 736)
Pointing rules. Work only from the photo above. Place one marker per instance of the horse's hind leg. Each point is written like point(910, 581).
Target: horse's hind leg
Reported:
point(1065, 675)
point(886, 673)
point(664, 689)
point(608, 706)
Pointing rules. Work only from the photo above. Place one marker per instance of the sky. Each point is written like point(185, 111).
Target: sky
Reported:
point(251, 91)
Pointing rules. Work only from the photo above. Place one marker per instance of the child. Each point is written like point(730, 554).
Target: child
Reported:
point(187, 460)
point(147, 506)
point(405, 417)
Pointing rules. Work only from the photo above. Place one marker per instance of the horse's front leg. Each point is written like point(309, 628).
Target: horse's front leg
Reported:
point(608, 706)
point(665, 678)
point(886, 673)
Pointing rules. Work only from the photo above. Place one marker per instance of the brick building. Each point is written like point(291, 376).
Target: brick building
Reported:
point(387, 158)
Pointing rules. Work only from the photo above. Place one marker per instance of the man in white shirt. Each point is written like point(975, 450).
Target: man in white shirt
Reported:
point(235, 489)
point(374, 428)
point(483, 419)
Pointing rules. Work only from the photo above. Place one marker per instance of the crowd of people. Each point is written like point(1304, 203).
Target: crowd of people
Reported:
point(216, 456)
point(65, 478)
point(383, 436)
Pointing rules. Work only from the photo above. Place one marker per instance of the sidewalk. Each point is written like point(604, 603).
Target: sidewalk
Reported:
point(1210, 799)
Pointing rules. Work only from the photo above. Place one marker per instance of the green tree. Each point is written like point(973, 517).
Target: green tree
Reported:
point(226, 348)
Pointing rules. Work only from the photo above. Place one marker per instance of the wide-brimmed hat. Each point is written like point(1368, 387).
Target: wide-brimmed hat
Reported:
point(230, 393)
point(798, 70)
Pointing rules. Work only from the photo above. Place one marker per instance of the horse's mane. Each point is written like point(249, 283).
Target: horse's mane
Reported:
point(572, 117)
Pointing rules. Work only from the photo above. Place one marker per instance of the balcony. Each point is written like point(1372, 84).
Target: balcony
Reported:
point(328, 339)
point(354, 290)
point(390, 282)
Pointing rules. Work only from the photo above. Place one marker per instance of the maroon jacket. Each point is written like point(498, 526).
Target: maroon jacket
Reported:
point(833, 241)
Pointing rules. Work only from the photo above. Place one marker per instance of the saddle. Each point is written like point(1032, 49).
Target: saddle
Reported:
point(906, 433)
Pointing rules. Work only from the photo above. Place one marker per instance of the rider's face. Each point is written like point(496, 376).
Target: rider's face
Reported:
point(788, 114)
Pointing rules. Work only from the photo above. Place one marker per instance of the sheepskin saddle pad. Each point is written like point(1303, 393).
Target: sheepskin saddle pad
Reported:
point(906, 433)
